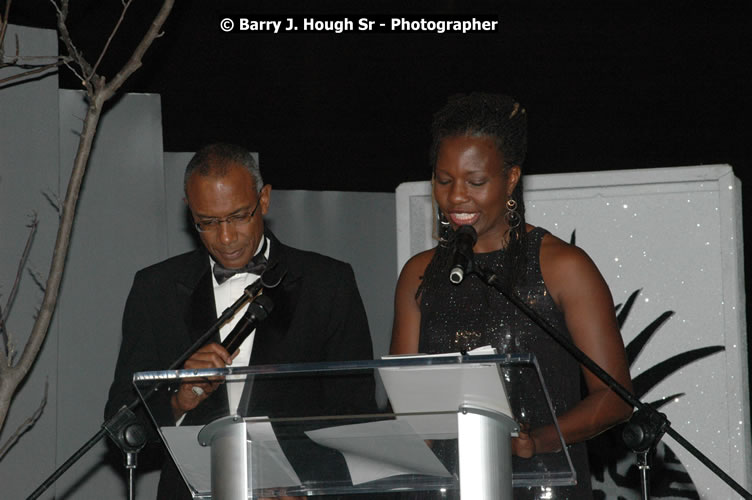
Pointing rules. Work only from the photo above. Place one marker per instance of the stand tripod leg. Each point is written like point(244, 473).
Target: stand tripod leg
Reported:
point(643, 464)
point(642, 434)
point(131, 462)
point(130, 436)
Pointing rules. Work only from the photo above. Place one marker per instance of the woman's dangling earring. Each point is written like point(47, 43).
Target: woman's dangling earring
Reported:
point(512, 216)
point(444, 226)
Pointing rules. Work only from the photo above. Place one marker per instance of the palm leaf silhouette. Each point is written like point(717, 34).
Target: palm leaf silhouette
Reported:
point(608, 453)
point(634, 348)
point(622, 314)
point(651, 377)
point(658, 403)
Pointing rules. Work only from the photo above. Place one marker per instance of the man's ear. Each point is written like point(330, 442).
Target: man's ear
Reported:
point(266, 195)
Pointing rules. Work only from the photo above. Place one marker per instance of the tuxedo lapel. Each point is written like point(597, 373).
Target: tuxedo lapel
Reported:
point(285, 296)
point(201, 312)
point(196, 291)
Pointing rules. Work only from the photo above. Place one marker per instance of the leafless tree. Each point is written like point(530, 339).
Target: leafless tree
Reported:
point(13, 369)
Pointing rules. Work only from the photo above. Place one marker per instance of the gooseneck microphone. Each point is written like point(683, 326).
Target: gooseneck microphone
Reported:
point(257, 311)
point(462, 262)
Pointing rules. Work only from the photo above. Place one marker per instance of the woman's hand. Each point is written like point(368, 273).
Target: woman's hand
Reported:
point(523, 445)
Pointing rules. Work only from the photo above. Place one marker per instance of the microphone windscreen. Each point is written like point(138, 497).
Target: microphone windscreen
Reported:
point(467, 230)
point(272, 275)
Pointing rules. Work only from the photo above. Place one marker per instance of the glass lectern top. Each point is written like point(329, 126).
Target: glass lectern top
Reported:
point(350, 427)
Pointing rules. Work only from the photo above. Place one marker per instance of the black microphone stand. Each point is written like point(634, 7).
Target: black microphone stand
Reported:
point(124, 428)
point(647, 425)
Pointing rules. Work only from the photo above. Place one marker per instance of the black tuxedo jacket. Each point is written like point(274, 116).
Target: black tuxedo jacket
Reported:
point(318, 315)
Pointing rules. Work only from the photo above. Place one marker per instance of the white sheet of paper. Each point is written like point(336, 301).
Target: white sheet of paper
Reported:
point(443, 388)
point(375, 450)
point(272, 469)
point(194, 459)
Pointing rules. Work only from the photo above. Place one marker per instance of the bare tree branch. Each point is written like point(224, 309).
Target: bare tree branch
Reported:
point(21, 264)
point(135, 60)
point(39, 69)
point(14, 62)
point(73, 52)
point(13, 292)
point(33, 69)
point(27, 424)
point(53, 199)
point(38, 279)
point(76, 72)
point(112, 35)
point(3, 27)
point(98, 93)
point(5, 339)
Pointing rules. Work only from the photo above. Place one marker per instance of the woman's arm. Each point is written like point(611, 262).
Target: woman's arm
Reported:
point(406, 326)
point(581, 293)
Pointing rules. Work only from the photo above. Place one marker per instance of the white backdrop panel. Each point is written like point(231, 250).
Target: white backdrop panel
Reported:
point(675, 234)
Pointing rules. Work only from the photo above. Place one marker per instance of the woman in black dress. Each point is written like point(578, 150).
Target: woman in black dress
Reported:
point(479, 145)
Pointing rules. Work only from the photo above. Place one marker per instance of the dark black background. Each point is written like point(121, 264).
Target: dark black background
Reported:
point(607, 85)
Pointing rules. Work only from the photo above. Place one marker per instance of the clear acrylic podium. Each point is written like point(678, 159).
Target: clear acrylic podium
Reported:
point(395, 425)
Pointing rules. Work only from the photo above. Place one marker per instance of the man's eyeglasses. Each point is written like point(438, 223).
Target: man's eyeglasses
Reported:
point(241, 219)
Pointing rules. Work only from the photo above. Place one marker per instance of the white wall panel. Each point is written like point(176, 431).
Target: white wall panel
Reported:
point(675, 235)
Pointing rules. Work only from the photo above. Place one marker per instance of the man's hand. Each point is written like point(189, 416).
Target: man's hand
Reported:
point(194, 391)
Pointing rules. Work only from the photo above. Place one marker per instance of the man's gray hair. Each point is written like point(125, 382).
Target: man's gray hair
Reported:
point(217, 158)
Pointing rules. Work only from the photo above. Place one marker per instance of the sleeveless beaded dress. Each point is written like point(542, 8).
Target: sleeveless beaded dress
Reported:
point(472, 314)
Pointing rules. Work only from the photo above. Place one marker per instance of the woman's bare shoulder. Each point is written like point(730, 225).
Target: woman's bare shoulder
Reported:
point(567, 269)
point(556, 253)
point(412, 274)
point(416, 265)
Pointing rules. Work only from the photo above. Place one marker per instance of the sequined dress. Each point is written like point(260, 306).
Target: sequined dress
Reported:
point(472, 314)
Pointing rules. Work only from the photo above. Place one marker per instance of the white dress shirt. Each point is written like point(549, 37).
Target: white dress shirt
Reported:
point(224, 296)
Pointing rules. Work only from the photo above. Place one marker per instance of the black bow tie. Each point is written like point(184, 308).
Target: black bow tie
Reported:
point(255, 266)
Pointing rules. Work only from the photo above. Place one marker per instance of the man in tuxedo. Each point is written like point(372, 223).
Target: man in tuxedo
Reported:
point(317, 311)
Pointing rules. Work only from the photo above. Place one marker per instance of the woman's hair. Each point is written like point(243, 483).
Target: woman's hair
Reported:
point(499, 117)
point(504, 120)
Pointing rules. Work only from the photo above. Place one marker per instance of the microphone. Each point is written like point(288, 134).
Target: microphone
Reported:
point(257, 311)
point(270, 278)
point(462, 263)
point(272, 275)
